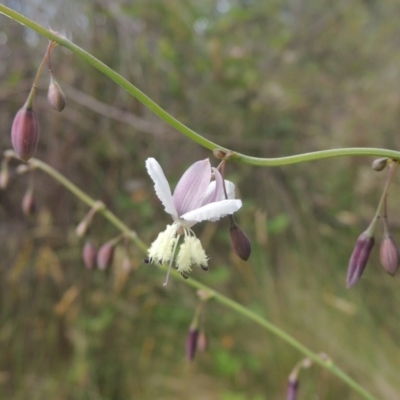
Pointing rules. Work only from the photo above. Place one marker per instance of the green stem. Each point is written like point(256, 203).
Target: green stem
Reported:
point(134, 91)
point(233, 305)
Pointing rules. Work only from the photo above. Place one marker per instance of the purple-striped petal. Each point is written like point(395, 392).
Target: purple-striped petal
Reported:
point(213, 211)
point(191, 188)
point(161, 186)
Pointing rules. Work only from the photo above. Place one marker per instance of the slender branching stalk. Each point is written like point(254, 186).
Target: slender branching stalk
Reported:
point(201, 140)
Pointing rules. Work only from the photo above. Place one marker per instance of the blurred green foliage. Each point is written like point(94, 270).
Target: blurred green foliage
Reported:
point(264, 78)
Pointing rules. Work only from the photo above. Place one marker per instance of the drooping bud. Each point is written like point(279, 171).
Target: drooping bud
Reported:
point(55, 95)
point(379, 164)
point(292, 389)
point(202, 341)
point(84, 225)
point(359, 258)
point(4, 174)
point(28, 203)
point(105, 255)
point(389, 254)
point(25, 133)
point(191, 342)
point(126, 265)
point(89, 255)
point(239, 240)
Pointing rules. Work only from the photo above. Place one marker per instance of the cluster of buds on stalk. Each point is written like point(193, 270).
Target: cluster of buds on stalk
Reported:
point(197, 339)
point(25, 127)
point(389, 252)
point(92, 257)
point(101, 258)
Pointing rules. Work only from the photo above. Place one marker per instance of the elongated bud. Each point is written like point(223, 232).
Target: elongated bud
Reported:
point(292, 389)
point(84, 225)
point(4, 174)
point(126, 265)
point(55, 95)
point(359, 258)
point(202, 341)
point(28, 203)
point(191, 343)
point(105, 255)
point(25, 133)
point(389, 255)
point(89, 255)
point(379, 164)
point(239, 240)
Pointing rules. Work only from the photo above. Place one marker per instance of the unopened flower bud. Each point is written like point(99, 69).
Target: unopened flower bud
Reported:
point(191, 343)
point(202, 341)
point(379, 164)
point(4, 174)
point(292, 389)
point(239, 241)
point(84, 225)
point(55, 95)
point(126, 265)
point(28, 203)
point(25, 133)
point(389, 255)
point(359, 258)
point(105, 255)
point(89, 255)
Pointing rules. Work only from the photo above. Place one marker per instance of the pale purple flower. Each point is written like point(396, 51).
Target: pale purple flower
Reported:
point(196, 198)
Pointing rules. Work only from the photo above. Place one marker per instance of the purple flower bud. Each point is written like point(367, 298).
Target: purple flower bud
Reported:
point(25, 133)
point(389, 254)
point(28, 203)
point(202, 341)
point(55, 95)
point(292, 389)
point(105, 255)
point(239, 241)
point(379, 164)
point(89, 255)
point(191, 343)
point(359, 258)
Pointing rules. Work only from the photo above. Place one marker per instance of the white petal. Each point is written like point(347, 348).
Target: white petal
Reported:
point(230, 188)
point(161, 186)
point(213, 211)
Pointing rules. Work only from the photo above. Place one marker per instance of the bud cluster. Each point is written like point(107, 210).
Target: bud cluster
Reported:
point(389, 251)
point(25, 127)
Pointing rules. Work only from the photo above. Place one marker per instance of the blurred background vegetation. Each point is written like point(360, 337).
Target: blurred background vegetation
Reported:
point(266, 78)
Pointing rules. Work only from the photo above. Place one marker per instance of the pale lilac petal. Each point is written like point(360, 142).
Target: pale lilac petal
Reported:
point(213, 211)
point(161, 186)
point(191, 188)
point(215, 191)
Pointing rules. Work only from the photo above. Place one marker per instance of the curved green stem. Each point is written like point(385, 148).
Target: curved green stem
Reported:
point(233, 305)
point(134, 91)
